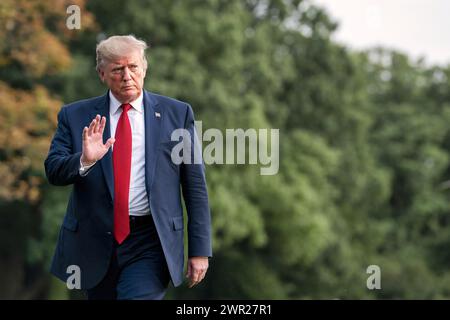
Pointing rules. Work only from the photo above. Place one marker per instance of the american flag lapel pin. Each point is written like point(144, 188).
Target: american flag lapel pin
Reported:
point(157, 114)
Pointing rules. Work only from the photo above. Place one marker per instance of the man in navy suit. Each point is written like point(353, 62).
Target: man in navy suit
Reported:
point(123, 228)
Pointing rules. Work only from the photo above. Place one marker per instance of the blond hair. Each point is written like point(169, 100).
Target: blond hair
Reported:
point(116, 47)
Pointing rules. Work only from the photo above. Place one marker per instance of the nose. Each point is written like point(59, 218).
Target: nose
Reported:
point(126, 74)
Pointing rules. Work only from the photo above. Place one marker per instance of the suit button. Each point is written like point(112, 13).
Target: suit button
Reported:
point(109, 232)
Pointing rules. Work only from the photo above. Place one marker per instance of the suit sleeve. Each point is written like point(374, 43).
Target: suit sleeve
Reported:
point(195, 194)
point(62, 165)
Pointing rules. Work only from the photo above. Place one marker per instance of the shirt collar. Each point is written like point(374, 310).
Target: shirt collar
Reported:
point(115, 104)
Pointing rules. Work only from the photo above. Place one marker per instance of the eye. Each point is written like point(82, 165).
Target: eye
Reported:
point(117, 70)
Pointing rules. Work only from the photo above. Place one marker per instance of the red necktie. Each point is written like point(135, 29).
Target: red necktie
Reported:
point(122, 170)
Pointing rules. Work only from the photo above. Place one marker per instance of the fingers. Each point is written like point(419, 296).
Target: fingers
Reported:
point(94, 125)
point(85, 132)
point(196, 278)
point(102, 125)
point(189, 271)
point(109, 143)
point(91, 127)
point(189, 275)
point(97, 123)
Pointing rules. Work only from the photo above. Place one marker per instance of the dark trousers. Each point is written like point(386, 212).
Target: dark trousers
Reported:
point(138, 269)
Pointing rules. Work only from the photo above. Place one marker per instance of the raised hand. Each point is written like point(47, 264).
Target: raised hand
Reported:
point(93, 147)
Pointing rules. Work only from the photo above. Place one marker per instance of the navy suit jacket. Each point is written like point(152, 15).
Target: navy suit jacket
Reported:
point(86, 238)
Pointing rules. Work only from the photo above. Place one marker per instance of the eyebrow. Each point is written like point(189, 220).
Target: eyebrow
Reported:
point(120, 66)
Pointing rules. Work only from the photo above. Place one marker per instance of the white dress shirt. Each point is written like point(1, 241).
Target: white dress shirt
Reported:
point(138, 200)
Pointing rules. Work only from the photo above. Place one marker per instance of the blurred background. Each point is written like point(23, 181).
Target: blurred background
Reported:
point(359, 89)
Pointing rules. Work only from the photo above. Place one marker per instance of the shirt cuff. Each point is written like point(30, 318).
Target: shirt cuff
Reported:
point(84, 170)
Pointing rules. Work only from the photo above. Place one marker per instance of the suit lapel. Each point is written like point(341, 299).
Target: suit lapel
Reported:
point(153, 118)
point(106, 162)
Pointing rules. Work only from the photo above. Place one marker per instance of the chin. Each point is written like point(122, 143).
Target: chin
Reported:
point(130, 94)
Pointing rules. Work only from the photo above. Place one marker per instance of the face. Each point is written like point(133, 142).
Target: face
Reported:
point(125, 77)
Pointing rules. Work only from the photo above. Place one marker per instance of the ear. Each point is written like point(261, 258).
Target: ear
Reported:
point(101, 74)
point(145, 72)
